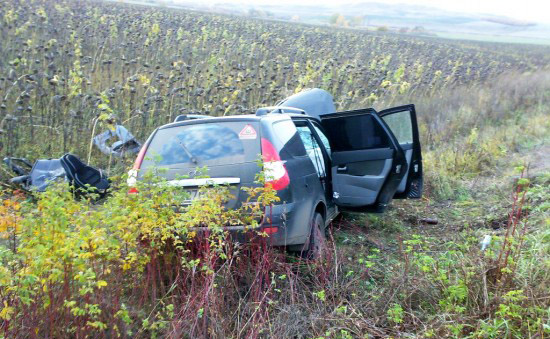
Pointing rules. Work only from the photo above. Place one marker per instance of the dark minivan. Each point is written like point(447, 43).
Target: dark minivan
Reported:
point(319, 161)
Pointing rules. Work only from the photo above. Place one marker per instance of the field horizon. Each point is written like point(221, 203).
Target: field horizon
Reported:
point(404, 19)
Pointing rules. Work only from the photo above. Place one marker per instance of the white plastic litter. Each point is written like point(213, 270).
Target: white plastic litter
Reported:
point(485, 242)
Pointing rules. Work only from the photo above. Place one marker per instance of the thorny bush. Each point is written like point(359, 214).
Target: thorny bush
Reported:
point(125, 267)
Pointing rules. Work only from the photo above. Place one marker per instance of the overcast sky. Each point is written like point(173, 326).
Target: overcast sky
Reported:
point(529, 10)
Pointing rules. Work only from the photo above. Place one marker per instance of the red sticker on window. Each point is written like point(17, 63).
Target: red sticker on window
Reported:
point(248, 132)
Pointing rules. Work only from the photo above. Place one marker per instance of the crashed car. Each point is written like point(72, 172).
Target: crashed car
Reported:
point(319, 161)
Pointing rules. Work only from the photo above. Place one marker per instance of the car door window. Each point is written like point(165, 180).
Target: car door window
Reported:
point(400, 124)
point(313, 150)
point(356, 132)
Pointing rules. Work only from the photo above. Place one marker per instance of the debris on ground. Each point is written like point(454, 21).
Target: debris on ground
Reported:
point(69, 167)
point(125, 145)
point(429, 221)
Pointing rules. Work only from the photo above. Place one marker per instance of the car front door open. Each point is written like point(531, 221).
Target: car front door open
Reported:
point(403, 124)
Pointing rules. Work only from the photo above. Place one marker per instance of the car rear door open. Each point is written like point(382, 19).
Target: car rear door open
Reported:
point(368, 163)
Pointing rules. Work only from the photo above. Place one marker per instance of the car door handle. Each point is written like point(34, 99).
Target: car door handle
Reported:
point(342, 168)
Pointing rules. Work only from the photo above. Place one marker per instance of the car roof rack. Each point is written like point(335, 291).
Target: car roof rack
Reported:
point(279, 109)
point(184, 117)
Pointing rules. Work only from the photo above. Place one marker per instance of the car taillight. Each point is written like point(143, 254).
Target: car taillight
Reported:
point(275, 171)
point(271, 230)
point(140, 157)
point(133, 173)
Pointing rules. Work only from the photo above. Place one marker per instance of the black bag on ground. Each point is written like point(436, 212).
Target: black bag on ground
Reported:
point(80, 174)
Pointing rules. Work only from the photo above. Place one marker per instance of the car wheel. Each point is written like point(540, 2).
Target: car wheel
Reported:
point(317, 238)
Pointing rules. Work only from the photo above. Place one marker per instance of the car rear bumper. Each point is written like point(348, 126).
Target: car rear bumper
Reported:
point(273, 226)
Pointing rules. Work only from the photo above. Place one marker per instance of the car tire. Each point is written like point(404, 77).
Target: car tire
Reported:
point(317, 238)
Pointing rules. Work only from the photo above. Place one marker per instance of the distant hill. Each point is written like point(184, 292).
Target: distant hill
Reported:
point(399, 18)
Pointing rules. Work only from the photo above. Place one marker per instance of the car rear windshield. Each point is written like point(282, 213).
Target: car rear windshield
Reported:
point(206, 144)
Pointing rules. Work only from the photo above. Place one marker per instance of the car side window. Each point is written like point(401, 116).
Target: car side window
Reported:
point(313, 150)
point(288, 135)
point(324, 139)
